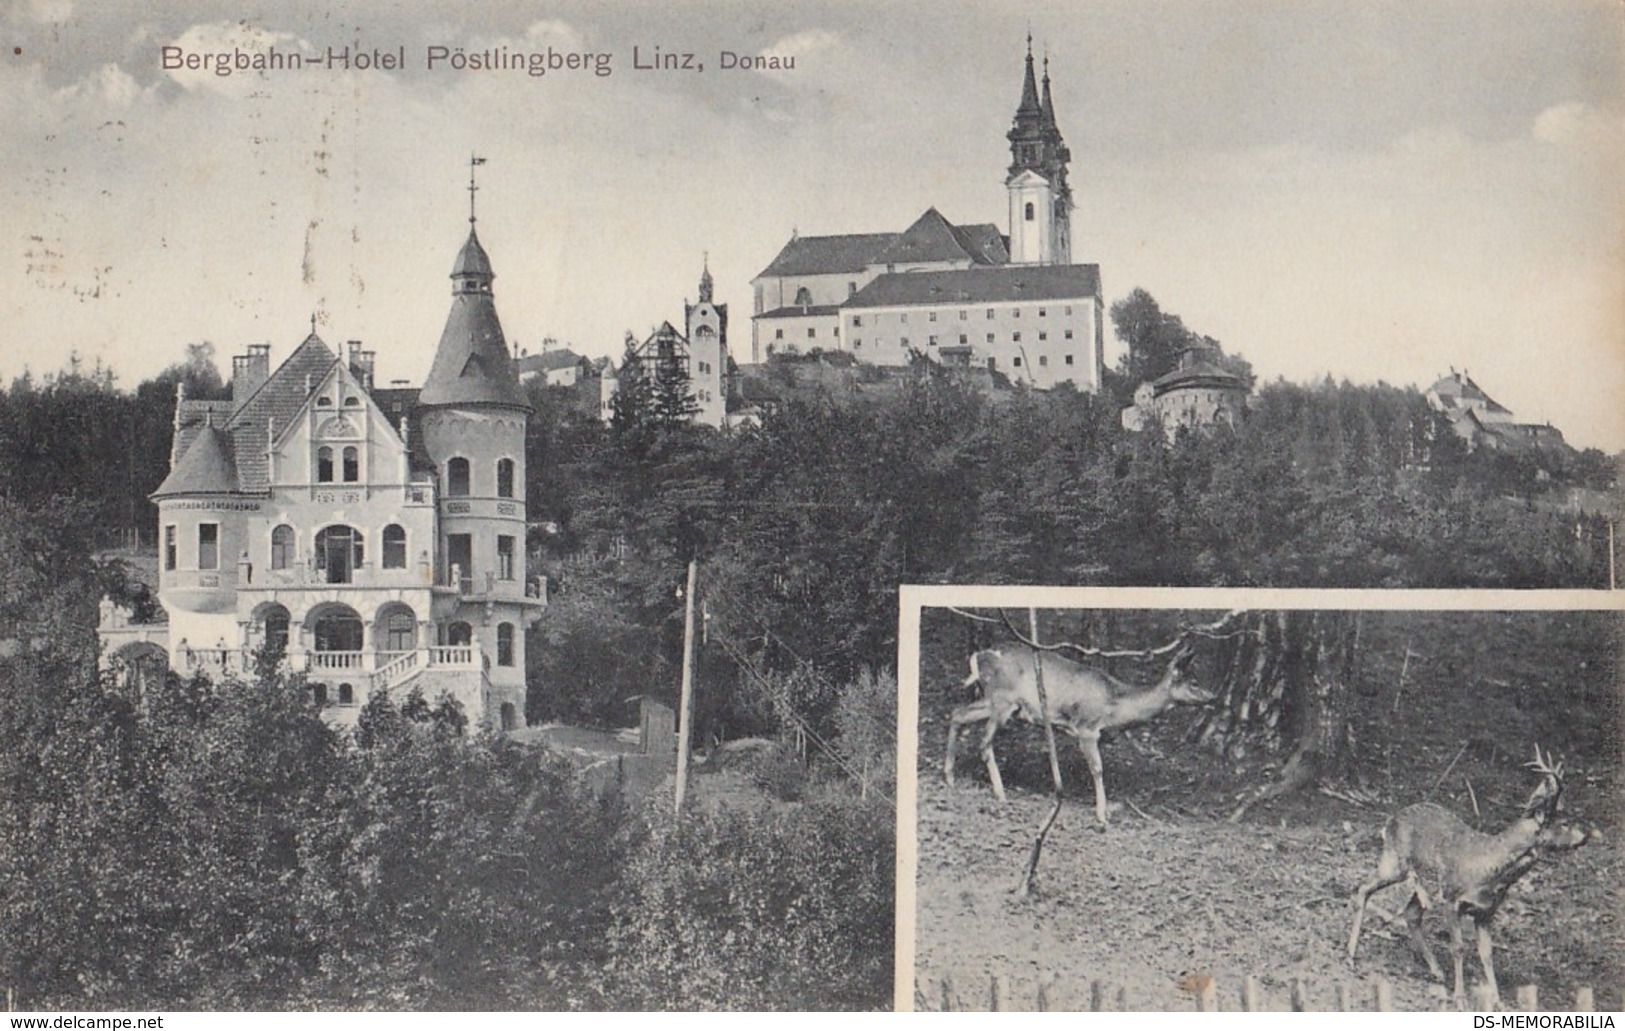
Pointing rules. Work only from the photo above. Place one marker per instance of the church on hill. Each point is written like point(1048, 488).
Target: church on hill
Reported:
point(956, 294)
point(369, 537)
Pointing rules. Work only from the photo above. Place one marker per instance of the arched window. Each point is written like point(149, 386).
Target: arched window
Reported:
point(338, 553)
point(457, 478)
point(324, 465)
point(504, 477)
point(459, 634)
point(276, 631)
point(803, 297)
point(346, 694)
point(394, 547)
point(1029, 211)
point(318, 694)
point(352, 465)
point(282, 547)
point(400, 631)
point(504, 644)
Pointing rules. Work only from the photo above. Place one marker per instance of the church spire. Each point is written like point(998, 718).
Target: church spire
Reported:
point(1048, 103)
point(705, 279)
point(1029, 105)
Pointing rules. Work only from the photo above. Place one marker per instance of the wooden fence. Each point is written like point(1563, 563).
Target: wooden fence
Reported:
point(1204, 994)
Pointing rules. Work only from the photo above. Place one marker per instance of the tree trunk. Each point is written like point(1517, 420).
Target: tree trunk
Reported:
point(1286, 690)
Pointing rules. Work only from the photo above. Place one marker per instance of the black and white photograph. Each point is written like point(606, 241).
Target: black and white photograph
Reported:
point(1255, 809)
point(461, 466)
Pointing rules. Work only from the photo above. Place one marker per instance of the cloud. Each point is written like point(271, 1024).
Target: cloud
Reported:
point(1576, 124)
point(804, 44)
point(109, 84)
point(552, 32)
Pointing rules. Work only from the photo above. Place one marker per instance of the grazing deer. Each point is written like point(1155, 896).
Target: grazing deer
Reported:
point(1082, 702)
point(1441, 858)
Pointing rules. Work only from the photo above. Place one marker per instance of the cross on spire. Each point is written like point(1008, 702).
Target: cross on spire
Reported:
point(474, 161)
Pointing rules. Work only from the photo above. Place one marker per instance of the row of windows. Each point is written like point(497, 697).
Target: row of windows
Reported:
point(457, 478)
point(457, 471)
point(812, 333)
point(964, 338)
point(339, 550)
point(964, 314)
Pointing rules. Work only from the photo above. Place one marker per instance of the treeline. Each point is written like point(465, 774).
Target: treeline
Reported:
point(806, 524)
point(76, 434)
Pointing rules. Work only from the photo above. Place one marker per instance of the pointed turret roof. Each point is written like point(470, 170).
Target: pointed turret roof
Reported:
point(706, 284)
point(205, 468)
point(472, 259)
point(472, 365)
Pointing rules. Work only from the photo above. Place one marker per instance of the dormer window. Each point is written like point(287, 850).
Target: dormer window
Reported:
point(324, 402)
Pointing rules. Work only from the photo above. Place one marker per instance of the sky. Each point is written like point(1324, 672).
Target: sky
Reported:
point(1370, 190)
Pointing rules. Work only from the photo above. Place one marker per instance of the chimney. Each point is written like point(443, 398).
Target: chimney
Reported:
point(360, 363)
point(248, 371)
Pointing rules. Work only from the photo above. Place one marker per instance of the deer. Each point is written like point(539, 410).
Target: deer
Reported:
point(1443, 860)
point(1082, 702)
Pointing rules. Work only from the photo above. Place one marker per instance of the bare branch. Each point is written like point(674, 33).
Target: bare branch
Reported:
point(1217, 629)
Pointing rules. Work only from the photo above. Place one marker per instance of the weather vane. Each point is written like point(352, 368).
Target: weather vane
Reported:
point(474, 161)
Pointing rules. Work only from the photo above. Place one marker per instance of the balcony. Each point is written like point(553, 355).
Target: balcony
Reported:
point(369, 671)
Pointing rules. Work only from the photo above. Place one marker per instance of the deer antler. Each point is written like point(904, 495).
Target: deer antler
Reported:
point(1543, 764)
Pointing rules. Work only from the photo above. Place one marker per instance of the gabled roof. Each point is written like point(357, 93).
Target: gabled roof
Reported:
point(930, 238)
point(547, 361)
point(205, 468)
point(813, 255)
point(1459, 387)
point(980, 285)
point(987, 246)
point(280, 398)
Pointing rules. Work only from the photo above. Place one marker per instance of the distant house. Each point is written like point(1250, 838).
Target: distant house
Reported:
point(701, 352)
point(557, 367)
point(1200, 393)
point(1482, 421)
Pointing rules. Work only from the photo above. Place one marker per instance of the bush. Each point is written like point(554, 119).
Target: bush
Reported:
point(758, 910)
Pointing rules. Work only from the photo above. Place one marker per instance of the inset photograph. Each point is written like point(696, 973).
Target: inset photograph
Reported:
point(1267, 809)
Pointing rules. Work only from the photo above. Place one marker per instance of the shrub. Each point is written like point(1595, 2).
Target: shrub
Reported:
point(758, 910)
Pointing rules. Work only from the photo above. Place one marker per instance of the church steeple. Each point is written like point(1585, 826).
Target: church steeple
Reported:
point(705, 280)
point(1040, 198)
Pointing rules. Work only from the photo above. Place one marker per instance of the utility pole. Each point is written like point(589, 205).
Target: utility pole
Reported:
point(685, 704)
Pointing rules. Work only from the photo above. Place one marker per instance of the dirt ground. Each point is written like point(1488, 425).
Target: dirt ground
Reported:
point(1164, 900)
